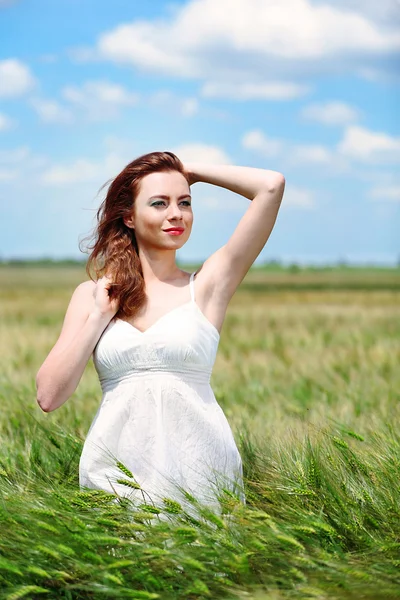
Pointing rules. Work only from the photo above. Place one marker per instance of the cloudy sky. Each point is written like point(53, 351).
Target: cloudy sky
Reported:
point(305, 87)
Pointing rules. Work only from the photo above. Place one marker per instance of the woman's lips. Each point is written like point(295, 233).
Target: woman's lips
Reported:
point(177, 231)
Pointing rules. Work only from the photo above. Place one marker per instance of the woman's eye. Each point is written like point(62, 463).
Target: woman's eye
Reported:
point(158, 202)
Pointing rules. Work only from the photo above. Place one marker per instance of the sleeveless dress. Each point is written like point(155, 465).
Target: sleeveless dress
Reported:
point(158, 416)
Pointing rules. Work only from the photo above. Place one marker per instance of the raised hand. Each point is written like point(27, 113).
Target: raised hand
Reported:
point(190, 171)
point(103, 304)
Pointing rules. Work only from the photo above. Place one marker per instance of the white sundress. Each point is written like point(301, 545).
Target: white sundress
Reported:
point(158, 415)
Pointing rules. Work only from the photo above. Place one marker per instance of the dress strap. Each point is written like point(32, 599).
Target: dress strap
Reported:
point(191, 284)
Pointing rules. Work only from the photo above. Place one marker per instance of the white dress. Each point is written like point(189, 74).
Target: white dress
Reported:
point(159, 416)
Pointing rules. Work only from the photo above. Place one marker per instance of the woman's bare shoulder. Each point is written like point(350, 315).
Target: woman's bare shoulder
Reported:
point(88, 285)
point(84, 292)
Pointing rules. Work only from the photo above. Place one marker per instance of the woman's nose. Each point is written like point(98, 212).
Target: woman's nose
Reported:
point(174, 211)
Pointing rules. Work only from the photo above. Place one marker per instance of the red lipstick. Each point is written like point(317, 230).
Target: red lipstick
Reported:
point(174, 230)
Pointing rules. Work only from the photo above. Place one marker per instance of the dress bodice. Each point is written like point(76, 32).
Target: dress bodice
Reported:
point(183, 341)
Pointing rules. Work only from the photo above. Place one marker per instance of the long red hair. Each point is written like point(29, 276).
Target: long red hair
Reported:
point(114, 247)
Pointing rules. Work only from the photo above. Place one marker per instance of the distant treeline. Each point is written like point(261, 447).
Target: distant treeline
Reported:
point(43, 262)
point(270, 265)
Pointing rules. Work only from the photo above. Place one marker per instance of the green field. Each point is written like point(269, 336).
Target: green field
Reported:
point(308, 375)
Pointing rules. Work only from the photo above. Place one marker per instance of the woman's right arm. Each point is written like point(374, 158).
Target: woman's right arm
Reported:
point(88, 314)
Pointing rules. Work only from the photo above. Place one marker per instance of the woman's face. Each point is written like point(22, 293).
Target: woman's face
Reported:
point(163, 202)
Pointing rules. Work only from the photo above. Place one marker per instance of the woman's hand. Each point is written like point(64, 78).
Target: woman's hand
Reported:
point(191, 173)
point(103, 304)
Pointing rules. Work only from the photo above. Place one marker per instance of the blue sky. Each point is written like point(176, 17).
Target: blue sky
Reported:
point(305, 87)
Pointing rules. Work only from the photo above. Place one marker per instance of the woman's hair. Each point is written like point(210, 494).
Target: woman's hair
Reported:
point(114, 247)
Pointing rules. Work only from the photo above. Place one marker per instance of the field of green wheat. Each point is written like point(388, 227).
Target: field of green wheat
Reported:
point(308, 375)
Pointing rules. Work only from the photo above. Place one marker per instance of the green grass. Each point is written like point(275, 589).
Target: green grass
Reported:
point(308, 376)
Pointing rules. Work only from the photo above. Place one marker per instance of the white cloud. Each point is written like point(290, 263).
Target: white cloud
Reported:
point(19, 165)
point(79, 171)
point(358, 144)
point(8, 174)
point(171, 102)
point(95, 100)
point(384, 11)
point(279, 39)
point(330, 113)
point(99, 99)
point(256, 140)
point(82, 170)
point(15, 156)
point(82, 54)
point(389, 193)
point(16, 78)
point(6, 122)
point(291, 153)
point(51, 111)
point(254, 91)
point(101, 91)
point(361, 144)
point(190, 106)
point(309, 154)
point(371, 74)
point(298, 197)
point(201, 153)
point(115, 144)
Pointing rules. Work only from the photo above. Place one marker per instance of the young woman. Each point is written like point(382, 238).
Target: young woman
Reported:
point(154, 331)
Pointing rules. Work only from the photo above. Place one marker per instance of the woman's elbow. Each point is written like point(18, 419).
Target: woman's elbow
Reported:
point(49, 402)
point(43, 399)
point(45, 406)
point(279, 181)
point(275, 183)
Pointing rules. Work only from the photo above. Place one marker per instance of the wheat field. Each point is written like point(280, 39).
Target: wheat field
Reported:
point(308, 375)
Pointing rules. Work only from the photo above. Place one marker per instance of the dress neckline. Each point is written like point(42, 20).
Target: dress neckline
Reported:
point(165, 315)
point(192, 301)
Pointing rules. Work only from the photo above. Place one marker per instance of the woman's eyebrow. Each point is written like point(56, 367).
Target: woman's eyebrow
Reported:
point(164, 197)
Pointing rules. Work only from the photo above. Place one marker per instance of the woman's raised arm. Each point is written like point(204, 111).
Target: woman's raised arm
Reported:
point(246, 181)
point(223, 271)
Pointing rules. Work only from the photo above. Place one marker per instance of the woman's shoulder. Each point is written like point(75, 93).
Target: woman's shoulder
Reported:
point(87, 286)
point(81, 302)
point(85, 291)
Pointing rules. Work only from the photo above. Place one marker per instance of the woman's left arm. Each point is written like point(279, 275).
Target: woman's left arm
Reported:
point(224, 269)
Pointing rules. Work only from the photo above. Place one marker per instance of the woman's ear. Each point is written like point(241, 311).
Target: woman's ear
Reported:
point(128, 221)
